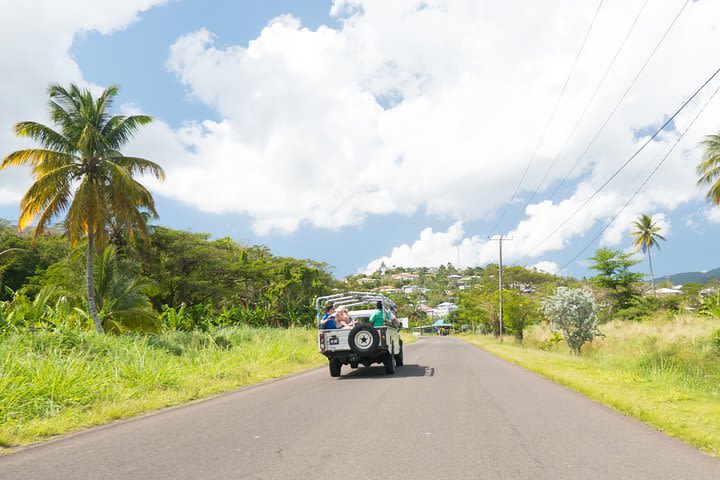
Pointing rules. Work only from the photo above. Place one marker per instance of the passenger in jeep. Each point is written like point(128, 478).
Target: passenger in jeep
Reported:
point(378, 318)
point(342, 318)
point(328, 320)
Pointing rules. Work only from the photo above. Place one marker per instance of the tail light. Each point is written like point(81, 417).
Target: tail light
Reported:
point(382, 337)
point(322, 341)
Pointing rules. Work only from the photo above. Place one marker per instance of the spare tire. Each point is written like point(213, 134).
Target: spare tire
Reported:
point(364, 339)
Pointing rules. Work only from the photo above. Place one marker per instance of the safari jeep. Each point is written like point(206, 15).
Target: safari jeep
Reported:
point(363, 344)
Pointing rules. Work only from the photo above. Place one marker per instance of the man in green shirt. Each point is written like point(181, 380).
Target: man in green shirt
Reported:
point(378, 318)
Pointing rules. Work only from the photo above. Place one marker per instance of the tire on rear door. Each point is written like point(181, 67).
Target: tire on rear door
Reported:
point(363, 339)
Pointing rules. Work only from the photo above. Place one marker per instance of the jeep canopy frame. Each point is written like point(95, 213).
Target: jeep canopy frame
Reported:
point(353, 299)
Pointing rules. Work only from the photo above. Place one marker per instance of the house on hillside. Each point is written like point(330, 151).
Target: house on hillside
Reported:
point(386, 290)
point(410, 289)
point(663, 292)
point(405, 276)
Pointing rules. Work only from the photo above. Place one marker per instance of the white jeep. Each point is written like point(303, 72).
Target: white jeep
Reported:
point(363, 344)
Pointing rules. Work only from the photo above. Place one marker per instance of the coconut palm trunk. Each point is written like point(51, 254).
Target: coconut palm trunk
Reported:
point(90, 281)
point(652, 275)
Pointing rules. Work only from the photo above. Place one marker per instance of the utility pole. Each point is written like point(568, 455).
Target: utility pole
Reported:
point(500, 284)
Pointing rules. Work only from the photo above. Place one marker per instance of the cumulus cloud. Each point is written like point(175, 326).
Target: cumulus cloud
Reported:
point(713, 214)
point(377, 116)
point(547, 267)
point(440, 248)
point(407, 106)
point(36, 36)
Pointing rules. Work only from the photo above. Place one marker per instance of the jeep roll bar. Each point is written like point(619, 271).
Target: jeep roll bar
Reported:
point(353, 299)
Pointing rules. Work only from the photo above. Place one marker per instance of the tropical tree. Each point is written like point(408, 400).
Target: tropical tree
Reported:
point(646, 236)
point(78, 170)
point(573, 313)
point(709, 168)
point(614, 275)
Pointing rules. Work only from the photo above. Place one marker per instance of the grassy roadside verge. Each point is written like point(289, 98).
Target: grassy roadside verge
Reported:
point(58, 382)
point(665, 373)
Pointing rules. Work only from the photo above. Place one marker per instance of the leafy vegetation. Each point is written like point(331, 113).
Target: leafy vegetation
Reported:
point(709, 168)
point(80, 172)
point(573, 313)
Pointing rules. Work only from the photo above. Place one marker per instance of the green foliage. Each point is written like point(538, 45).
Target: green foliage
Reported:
point(614, 275)
point(121, 290)
point(708, 170)
point(572, 312)
point(715, 340)
point(196, 283)
point(479, 309)
point(519, 312)
point(710, 306)
point(253, 286)
point(48, 309)
point(21, 261)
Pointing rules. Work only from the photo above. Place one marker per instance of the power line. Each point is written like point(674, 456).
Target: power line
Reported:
point(637, 191)
point(582, 115)
point(617, 105)
point(550, 119)
point(657, 132)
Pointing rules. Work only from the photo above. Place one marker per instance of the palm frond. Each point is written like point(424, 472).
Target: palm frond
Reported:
point(123, 129)
point(46, 136)
point(138, 166)
point(40, 159)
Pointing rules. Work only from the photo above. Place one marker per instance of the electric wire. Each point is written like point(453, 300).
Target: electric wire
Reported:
point(582, 115)
point(617, 105)
point(550, 119)
point(639, 189)
point(622, 167)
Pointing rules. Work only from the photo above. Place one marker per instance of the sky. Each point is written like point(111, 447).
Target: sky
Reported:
point(357, 132)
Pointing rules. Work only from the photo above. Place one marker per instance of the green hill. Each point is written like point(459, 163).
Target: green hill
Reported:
point(691, 277)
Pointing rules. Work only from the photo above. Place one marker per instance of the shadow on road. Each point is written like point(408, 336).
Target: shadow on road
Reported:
point(408, 370)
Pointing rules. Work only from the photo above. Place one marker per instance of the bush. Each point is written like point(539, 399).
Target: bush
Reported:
point(715, 339)
point(572, 312)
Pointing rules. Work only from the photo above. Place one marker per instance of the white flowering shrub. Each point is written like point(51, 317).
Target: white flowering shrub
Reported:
point(573, 312)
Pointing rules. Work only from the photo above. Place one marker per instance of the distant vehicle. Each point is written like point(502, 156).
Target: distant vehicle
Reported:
point(363, 344)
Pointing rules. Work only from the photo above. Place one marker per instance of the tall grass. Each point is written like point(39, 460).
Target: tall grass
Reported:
point(55, 382)
point(664, 371)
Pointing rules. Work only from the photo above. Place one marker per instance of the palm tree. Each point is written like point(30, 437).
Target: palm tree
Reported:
point(709, 168)
point(647, 236)
point(78, 170)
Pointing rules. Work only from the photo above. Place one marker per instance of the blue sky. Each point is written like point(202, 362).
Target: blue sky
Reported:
point(174, 88)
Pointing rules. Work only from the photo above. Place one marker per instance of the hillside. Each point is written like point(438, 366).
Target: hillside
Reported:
point(691, 277)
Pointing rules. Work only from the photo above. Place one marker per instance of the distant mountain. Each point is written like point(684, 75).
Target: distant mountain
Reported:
point(691, 277)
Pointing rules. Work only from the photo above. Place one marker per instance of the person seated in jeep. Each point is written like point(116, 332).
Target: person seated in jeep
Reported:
point(378, 317)
point(342, 318)
point(328, 320)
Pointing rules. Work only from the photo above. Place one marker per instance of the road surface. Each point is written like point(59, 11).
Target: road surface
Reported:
point(453, 411)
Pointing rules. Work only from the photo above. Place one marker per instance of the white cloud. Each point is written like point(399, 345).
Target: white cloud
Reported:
point(713, 214)
point(304, 136)
point(547, 267)
point(407, 106)
point(36, 37)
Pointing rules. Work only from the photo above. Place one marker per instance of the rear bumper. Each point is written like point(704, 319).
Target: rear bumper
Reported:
point(347, 356)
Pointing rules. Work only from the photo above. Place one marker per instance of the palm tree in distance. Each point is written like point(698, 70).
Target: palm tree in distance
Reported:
point(78, 170)
point(646, 236)
point(709, 168)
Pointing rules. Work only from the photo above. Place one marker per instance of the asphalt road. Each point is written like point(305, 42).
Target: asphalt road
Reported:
point(453, 411)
